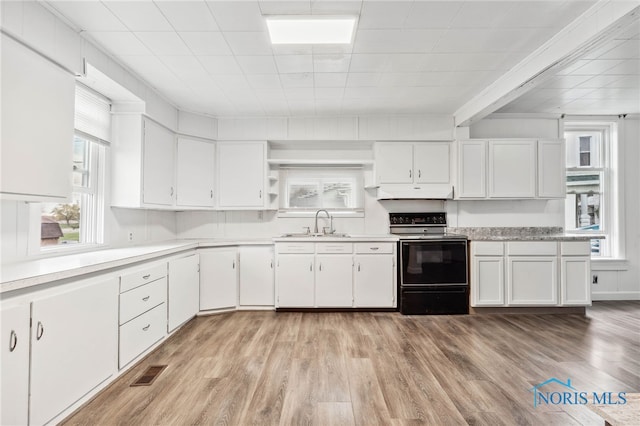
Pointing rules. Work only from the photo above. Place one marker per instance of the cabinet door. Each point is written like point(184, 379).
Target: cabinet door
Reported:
point(532, 280)
point(472, 169)
point(431, 162)
point(256, 276)
point(241, 174)
point(512, 169)
point(374, 281)
point(218, 278)
point(73, 346)
point(334, 281)
point(575, 280)
point(551, 169)
point(487, 281)
point(37, 126)
point(195, 173)
point(295, 281)
point(394, 163)
point(14, 360)
point(184, 290)
point(158, 164)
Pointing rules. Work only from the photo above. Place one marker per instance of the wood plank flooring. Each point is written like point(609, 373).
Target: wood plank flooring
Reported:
point(267, 368)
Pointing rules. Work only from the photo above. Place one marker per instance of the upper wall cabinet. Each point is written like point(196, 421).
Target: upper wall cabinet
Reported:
point(511, 169)
point(37, 126)
point(195, 172)
point(241, 175)
point(413, 170)
point(143, 158)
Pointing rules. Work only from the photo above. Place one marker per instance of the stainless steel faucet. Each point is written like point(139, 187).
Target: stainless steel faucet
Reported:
point(315, 228)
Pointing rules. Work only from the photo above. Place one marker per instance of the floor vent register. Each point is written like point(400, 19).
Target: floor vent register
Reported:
point(149, 376)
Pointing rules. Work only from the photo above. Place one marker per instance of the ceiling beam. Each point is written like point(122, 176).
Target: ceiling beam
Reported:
point(598, 25)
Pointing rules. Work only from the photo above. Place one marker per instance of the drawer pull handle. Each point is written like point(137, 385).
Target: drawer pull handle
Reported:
point(311, 266)
point(374, 248)
point(39, 330)
point(146, 277)
point(320, 267)
point(358, 267)
point(146, 328)
point(144, 299)
point(13, 341)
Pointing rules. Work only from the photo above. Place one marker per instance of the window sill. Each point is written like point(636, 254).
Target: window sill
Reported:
point(54, 251)
point(609, 264)
point(312, 214)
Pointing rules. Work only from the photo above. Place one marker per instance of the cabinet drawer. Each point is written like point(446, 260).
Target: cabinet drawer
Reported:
point(575, 248)
point(295, 247)
point(492, 248)
point(334, 248)
point(374, 248)
point(142, 332)
point(141, 299)
point(142, 276)
point(532, 248)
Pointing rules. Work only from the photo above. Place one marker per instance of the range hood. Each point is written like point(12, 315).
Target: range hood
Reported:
point(415, 192)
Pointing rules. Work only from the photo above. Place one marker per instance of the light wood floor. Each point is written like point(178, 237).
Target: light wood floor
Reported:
point(265, 368)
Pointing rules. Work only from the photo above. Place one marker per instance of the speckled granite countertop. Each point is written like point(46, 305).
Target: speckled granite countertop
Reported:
point(545, 233)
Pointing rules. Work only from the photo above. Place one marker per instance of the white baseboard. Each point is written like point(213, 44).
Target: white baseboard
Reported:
point(615, 295)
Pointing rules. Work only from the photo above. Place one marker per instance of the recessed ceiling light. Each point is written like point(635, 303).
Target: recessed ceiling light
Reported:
point(311, 29)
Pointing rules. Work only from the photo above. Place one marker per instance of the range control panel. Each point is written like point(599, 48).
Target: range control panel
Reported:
point(418, 219)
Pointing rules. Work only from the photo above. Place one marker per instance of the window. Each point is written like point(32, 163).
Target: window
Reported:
point(591, 203)
point(80, 221)
point(339, 190)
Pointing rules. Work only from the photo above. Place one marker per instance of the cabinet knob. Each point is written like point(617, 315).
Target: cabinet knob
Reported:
point(320, 267)
point(211, 194)
point(172, 191)
point(144, 299)
point(419, 173)
point(146, 277)
point(146, 328)
point(13, 341)
point(39, 330)
point(311, 266)
point(358, 267)
point(260, 195)
point(409, 172)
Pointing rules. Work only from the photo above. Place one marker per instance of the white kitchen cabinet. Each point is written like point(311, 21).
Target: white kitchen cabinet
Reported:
point(218, 278)
point(14, 360)
point(334, 280)
point(374, 281)
point(487, 274)
point(37, 126)
point(195, 172)
point(419, 163)
point(184, 290)
point(74, 343)
point(551, 169)
point(532, 273)
point(575, 279)
point(512, 169)
point(295, 280)
point(143, 163)
point(241, 175)
point(472, 169)
point(256, 276)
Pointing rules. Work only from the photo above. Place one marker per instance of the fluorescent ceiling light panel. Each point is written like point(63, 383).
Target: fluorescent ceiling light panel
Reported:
point(298, 29)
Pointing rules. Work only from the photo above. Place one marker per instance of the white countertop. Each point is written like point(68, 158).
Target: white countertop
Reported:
point(348, 239)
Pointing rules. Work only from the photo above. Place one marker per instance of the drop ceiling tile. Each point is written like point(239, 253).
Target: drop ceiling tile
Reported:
point(596, 66)
point(139, 15)
point(257, 64)
point(361, 79)
point(405, 62)
point(330, 79)
point(332, 49)
point(89, 16)
point(297, 80)
point(189, 15)
point(291, 49)
point(288, 64)
point(328, 106)
point(630, 81)
point(396, 41)
point(228, 82)
point(299, 93)
point(613, 93)
point(599, 81)
point(264, 81)
point(369, 62)
point(629, 49)
point(331, 7)
point(218, 65)
point(628, 67)
point(299, 7)
point(329, 92)
point(238, 15)
point(477, 40)
point(383, 15)
point(464, 61)
point(188, 69)
point(428, 14)
point(248, 43)
point(270, 94)
point(572, 94)
point(154, 70)
point(163, 43)
point(205, 43)
point(331, 63)
point(120, 43)
point(565, 81)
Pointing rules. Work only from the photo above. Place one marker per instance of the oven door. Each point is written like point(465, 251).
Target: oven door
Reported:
point(433, 262)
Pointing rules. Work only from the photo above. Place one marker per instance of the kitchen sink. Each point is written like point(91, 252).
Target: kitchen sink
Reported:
point(318, 235)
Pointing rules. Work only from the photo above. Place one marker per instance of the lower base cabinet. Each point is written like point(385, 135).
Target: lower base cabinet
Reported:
point(295, 281)
point(218, 278)
point(184, 290)
point(334, 288)
point(532, 280)
point(14, 360)
point(141, 333)
point(373, 281)
point(74, 341)
point(256, 276)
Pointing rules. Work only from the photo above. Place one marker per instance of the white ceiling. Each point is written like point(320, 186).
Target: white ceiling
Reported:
point(408, 56)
